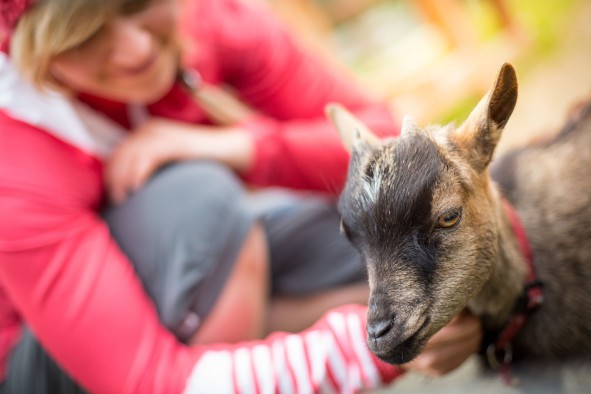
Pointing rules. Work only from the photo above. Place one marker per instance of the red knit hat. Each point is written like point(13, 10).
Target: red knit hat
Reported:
point(10, 11)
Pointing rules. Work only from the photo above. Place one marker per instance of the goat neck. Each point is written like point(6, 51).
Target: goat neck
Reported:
point(495, 302)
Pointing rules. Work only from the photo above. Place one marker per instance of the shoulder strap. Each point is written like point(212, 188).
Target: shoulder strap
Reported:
point(220, 104)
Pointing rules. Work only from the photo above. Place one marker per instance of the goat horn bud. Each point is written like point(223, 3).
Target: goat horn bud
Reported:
point(408, 126)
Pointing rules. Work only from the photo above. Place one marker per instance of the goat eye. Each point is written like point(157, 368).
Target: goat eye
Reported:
point(450, 218)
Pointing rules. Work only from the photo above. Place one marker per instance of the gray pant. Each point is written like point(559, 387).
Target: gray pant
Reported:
point(183, 232)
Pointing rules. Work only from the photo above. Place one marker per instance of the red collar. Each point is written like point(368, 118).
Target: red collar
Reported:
point(500, 353)
point(533, 287)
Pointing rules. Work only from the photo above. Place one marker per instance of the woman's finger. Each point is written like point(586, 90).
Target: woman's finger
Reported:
point(142, 168)
point(118, 172)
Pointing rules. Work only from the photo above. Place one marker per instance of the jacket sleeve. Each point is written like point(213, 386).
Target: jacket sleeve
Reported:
point(330, 357)
point(295, 145)
point(72, 285)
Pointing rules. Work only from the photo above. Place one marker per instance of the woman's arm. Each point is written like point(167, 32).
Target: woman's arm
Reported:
point(294, 145)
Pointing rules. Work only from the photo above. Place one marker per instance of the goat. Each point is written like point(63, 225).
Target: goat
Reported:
point(436, 236)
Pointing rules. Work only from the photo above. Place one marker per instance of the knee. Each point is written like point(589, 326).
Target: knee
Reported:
point(179, 200)
point(195, 182)
point(180, 194)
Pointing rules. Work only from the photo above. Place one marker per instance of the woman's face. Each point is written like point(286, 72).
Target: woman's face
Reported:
point(132, 58)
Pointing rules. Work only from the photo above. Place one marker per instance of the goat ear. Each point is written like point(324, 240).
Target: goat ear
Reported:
point(352, 130)
point(480, 133)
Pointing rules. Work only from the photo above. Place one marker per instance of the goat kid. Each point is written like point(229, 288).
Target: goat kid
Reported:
point(436, 237)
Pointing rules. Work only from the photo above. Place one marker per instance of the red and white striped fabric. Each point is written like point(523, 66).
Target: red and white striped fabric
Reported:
point(330, 357)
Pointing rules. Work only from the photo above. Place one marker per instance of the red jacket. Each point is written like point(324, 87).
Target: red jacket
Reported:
point(61, 272)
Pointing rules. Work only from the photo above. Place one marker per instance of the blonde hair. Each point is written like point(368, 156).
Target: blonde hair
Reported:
point(52, 27)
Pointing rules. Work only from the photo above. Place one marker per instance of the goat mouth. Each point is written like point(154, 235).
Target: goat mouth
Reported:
point(405, 351)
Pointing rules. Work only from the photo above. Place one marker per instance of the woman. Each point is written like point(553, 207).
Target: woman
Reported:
point(91, 92)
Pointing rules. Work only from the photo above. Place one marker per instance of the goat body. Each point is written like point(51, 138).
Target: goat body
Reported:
point(432, 228)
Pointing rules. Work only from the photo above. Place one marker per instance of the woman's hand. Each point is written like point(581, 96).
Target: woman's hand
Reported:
point(449, 347)
point(160, 141)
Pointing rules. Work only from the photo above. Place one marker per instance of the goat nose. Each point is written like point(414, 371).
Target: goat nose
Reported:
point(378, 329)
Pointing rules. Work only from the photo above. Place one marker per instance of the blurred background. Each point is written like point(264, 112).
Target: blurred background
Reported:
point(433, 60)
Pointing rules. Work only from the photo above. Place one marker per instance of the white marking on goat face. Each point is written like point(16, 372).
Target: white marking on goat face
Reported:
point(371, 186)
